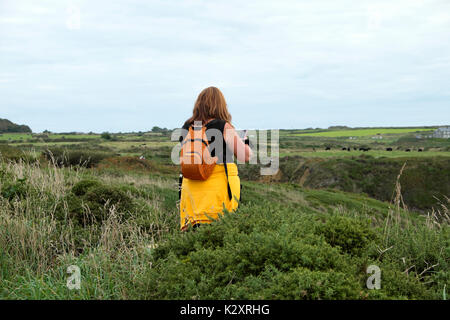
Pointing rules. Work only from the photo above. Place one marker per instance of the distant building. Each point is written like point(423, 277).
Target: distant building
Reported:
point(443, 132)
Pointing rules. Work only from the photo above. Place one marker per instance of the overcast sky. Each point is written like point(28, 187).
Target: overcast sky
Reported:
point(107, 65)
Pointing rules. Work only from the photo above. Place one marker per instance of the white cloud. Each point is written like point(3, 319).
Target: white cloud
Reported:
point(153, 57)
point(73, 20)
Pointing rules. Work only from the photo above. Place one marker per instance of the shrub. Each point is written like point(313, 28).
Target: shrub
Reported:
point(91, 201)
point(14, 154)
point(349, 234)
point(259, 252)
point(70, 157)
point(108, 196)
point(11, 190)
point(106, 136)
point(299, 283)
point(270, 251)
point(83, 186)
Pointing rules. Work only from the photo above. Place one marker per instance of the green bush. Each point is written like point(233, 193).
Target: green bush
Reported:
point(299, 283)
point(269, 251)
point(16, 189)
point(83, 186)
point(91, 201)
point(350, 235)
point(14, 154)
point(108, 196)
point(74, 157)
point(106, 136)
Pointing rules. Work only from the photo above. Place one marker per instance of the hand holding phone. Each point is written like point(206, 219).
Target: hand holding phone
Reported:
point(243, 134)
point(244, 137)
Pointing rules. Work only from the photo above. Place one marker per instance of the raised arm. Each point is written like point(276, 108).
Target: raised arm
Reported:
point(241, 150)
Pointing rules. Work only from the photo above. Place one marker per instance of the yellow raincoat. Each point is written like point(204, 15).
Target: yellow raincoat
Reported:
point(203, 200)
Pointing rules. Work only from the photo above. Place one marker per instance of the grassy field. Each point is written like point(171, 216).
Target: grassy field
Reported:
point(43, 144)
point(28, 136)
point(122, 145)
point(15, 136)
point(131, 248)
point(364, 132)
point(73, 136)
point(308, 232)
point(373, 153)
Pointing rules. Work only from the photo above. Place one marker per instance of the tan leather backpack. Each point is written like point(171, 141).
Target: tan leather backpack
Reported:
point(195, 158)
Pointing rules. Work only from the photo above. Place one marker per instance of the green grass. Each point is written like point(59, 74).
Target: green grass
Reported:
point(362, 132)
point(73, 136)
point(15, 136)
point(373, 153)
point(285, 242)
point(424, 180)
point(45, 144)
point(27, 136)
point(122, 145)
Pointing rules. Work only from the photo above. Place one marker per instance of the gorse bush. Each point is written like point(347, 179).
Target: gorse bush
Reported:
point(246, 256)
point(11, 190)
point(272, 252)
point(67, 157)
point(350, 235)
point(106, 136)
point(14, 187)
point(83, 186)
point(91, 201)
point(10, 153)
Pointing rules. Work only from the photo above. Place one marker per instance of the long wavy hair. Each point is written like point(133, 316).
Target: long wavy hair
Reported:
point(210, 104)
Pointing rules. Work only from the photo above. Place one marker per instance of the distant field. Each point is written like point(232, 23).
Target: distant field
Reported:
point(373, 153)
point(74, 136)
point(120, 145)
point(45, 144)
point(26, 136)
point(15, 136)
point(361, 132)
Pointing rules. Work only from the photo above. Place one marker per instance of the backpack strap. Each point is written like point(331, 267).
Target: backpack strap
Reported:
point(230, 195)
point(180, 183)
